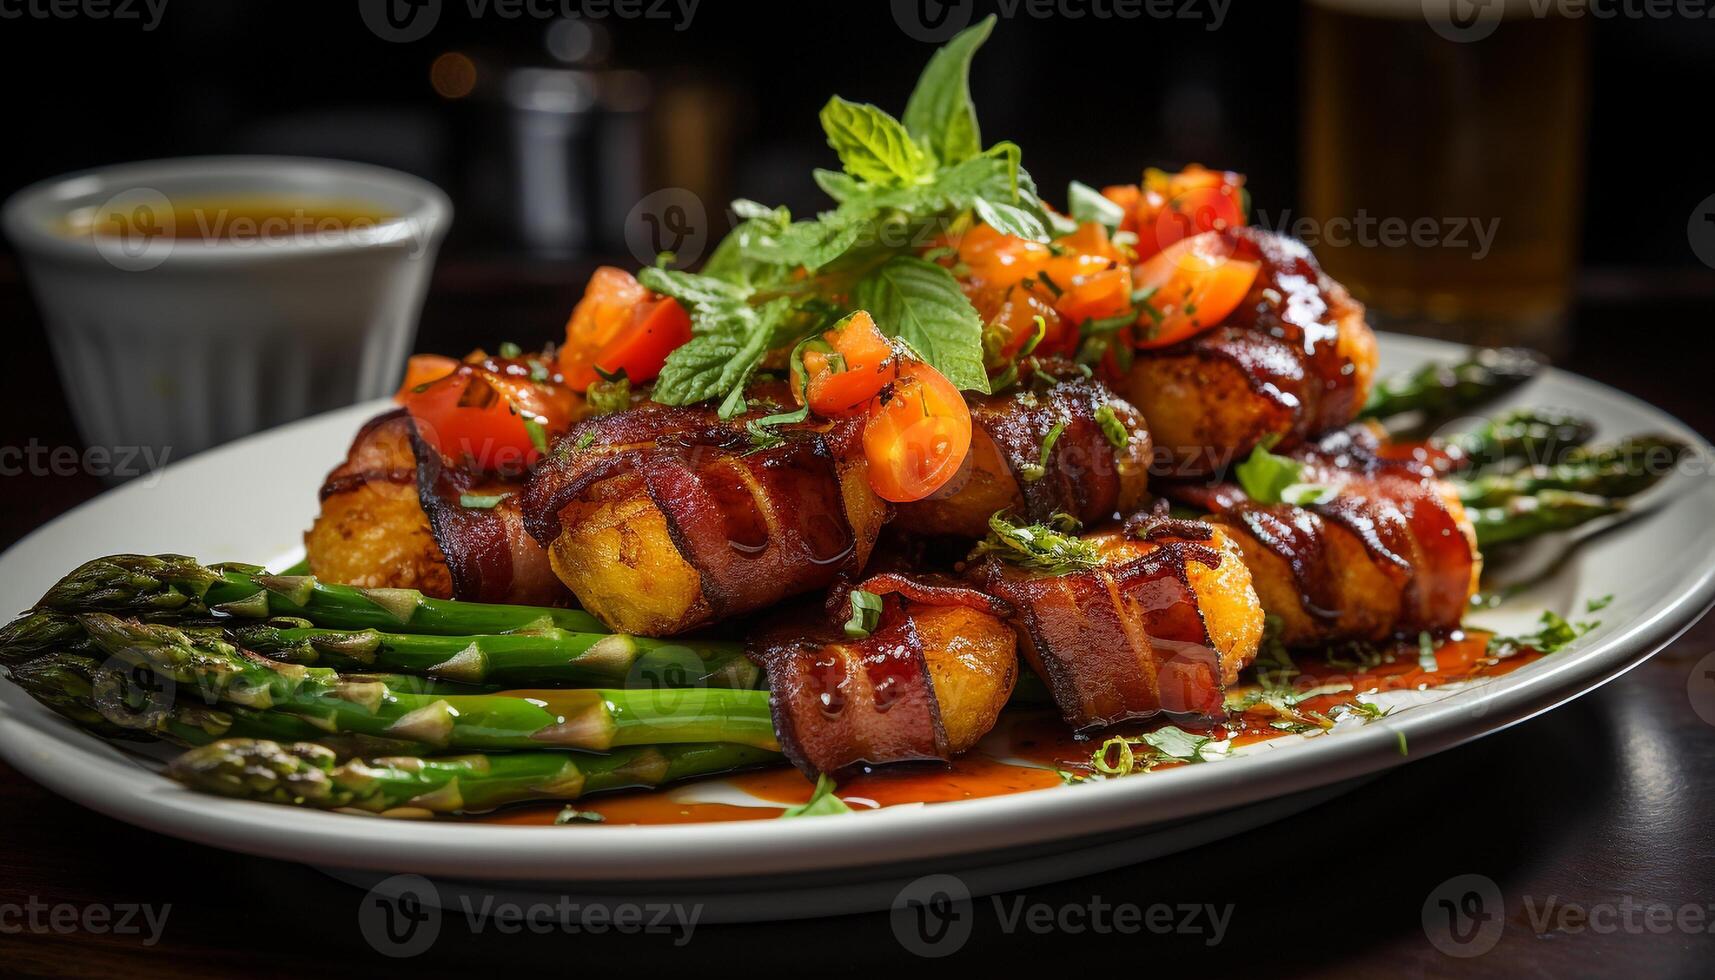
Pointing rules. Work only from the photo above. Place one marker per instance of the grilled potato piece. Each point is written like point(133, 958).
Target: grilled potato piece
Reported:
point(973, 662)
point(372, 531)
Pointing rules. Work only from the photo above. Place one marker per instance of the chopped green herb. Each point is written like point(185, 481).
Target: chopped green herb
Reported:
point(481, 501)
point(1426, 653)
point(610, 394)
point(509, 350)
point(1264, 476)
point(1307, 494)
point(1031, 472)
point(1553, 634)
point(1113, 427)
point(584, 440)
point(1599, 604)
point(1088, 204)
point(538, 433)
point(866, 613)
point(1054, 548)
point(1122, 756)
point(822, 802)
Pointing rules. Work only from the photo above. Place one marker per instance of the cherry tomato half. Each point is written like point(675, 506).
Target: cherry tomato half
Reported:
point(917, 434)
point(1196, 283)
point(620, 325)
point(1172, 207)
point(852, 363)
point(492, 413)
point(420, 369)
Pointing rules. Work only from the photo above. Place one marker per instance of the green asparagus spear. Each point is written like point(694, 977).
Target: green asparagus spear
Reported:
point(143, 584)
point(1533, 435)
point(549, 656)
point(115, 703)
point(1622, 470)
point(590, 719)
point(1541, 513)
point(1445, 390)
point(307, 775)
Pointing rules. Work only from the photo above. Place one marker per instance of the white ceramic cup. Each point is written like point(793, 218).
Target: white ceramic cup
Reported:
point(168, 345)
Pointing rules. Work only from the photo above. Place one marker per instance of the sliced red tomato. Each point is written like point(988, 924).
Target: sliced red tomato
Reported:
point(1172, 207)
point(420, 369)
point(620, 326)
point(917, 434)
point(1195, 283)
point(1009, 321)
point(852, 362)
point(1090, 281)
point(496, 414)
point(999, 259)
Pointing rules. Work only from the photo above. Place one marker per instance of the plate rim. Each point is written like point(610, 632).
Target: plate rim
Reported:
point(102, 777)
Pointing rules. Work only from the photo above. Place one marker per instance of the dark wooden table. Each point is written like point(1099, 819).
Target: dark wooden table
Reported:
point(1584, 820)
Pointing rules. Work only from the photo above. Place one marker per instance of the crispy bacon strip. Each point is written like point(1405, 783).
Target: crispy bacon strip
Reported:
point(1123, 641)
point(757, 524)
point(1410, 526)
point(839, 702)
point(490, 555)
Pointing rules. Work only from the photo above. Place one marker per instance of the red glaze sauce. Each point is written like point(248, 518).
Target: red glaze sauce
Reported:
point(1031, 747)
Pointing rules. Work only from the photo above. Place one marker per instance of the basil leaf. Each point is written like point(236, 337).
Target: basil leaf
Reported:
point(939, 113)
point(1087, 204)
point(921, 303)
point(1010, 220)
point(872, 145)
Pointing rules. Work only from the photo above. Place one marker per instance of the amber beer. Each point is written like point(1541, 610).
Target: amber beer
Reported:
point(1475, 117)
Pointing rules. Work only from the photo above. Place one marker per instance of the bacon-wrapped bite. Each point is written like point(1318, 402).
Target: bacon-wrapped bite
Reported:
point(1389, 549)
point(1070, 446)
point(1294, 358)
point(661, 518)
point(925, 683)
point(1123, 625)
point(398, 514)
point(372, 531)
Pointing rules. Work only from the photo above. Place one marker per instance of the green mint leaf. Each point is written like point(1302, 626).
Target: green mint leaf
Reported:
point(1087, 204)
point(872, 145)
point(939, 113)
point(823, 802)
point(1264, 476)
point(921, 303)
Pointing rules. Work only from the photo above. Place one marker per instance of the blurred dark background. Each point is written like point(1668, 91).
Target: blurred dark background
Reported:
point(546, 131)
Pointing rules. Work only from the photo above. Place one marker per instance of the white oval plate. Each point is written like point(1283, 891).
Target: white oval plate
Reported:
point(251, 501)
